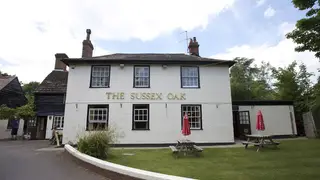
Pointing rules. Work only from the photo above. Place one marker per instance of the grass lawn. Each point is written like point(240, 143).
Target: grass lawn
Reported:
point(295, 159)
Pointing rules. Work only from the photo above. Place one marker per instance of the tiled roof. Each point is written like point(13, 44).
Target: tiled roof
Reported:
point(5, 80)
point(151, 58)
point(55, 82)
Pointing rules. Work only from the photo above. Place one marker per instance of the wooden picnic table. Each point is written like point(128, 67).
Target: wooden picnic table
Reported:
point(259, 141)
point(185, 146)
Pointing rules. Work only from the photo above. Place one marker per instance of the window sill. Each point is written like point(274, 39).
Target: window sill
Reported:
point(190, 87)
point(140, 129)
point(141, 87)
point(100, 87)
point(196, 129)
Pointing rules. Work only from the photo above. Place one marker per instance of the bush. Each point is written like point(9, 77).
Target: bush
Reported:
point(97, 143)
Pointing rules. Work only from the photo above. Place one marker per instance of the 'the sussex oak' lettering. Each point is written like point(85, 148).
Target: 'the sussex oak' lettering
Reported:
point(146, 96)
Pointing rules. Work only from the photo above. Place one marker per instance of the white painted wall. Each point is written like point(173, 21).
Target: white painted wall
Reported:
point(165, 122)
point(6, 133)
point(276, 118)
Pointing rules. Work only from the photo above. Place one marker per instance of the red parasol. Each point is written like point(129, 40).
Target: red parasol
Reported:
point(186, 126)
point(260, 123)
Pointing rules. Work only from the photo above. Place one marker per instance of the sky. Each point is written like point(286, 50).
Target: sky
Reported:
point(33, 31)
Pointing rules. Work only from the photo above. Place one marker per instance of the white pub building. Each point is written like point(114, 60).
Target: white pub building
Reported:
point(144, 96)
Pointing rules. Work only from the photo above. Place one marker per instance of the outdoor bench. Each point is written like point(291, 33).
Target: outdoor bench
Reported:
point(199, 149)
point(173, 149)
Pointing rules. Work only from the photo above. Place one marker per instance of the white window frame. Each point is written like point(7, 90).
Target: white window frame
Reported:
point(140, 114)
point(58, 121)
point(101, 116)
point(141, 77)
point(99, 75)
point(194, 113)
point(187, 79)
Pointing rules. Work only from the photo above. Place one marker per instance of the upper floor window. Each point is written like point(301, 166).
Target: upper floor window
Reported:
point(141, 77)
point(100, 76)
point(190, 77)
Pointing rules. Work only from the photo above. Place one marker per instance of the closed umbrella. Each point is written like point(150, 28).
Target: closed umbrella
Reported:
point(186, 126)
point(260, 122)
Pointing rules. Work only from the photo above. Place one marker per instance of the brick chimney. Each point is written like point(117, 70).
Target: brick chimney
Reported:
point(87, 47)
point(193, 47)
point(59, 65)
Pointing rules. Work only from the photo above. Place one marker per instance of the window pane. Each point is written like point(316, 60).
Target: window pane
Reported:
point(141, 78)
point(100, 76)
point(190, 76)
point(140, 116)
point(140, 125)
point(193, 112)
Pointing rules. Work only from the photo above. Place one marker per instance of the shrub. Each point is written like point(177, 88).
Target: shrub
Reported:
point(97, 143)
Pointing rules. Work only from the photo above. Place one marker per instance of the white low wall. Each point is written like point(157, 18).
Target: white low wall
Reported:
point(128, 171)
point(6, 133)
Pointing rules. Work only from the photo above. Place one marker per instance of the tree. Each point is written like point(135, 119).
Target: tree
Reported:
point(30, 88)
point(250, 82)
point(25, 112)
point(4, 74)
point(241, 79)
point(262, 84)
point(307, 32)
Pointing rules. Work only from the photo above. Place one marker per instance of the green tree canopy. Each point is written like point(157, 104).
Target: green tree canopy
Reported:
point(30, 88)
point(250, 82)
point(307, 32)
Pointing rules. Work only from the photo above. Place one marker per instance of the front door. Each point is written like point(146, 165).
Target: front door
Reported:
point(244, 123)
point(32, 128)
point(41, 127)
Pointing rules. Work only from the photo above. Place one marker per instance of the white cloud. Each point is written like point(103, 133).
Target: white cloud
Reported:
point(269, 12)
point(279, 55)
point(33, 31)
point(260, 2)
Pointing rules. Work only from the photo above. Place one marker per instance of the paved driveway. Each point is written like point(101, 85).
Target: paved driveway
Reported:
point(25, 160)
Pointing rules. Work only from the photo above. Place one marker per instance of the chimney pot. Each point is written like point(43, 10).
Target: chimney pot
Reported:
point(87, 47)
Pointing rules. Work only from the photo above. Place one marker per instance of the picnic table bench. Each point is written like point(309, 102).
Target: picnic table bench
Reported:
point(260, 141)
point(185, 147)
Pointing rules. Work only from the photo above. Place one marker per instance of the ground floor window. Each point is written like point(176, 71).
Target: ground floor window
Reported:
point(97, 117)
point(194, 114)
point(140, 117)
point(58, 122)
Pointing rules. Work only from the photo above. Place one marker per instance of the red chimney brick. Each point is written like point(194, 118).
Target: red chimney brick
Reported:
point(193, 47)
point(59, 65)
point(87, 47)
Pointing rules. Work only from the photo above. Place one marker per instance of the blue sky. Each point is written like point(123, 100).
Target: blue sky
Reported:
point(224, 29)
point(245, 23)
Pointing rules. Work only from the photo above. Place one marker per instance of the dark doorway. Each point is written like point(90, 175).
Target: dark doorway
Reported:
point(236, 132)
point(241, 124)
point(244, 123)
point(32, 128)
point(41, 127)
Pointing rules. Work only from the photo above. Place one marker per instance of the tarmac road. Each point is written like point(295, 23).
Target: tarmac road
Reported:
point(26, 160)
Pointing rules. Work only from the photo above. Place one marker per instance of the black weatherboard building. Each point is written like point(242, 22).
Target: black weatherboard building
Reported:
point(49, 101)
point(11, 95)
